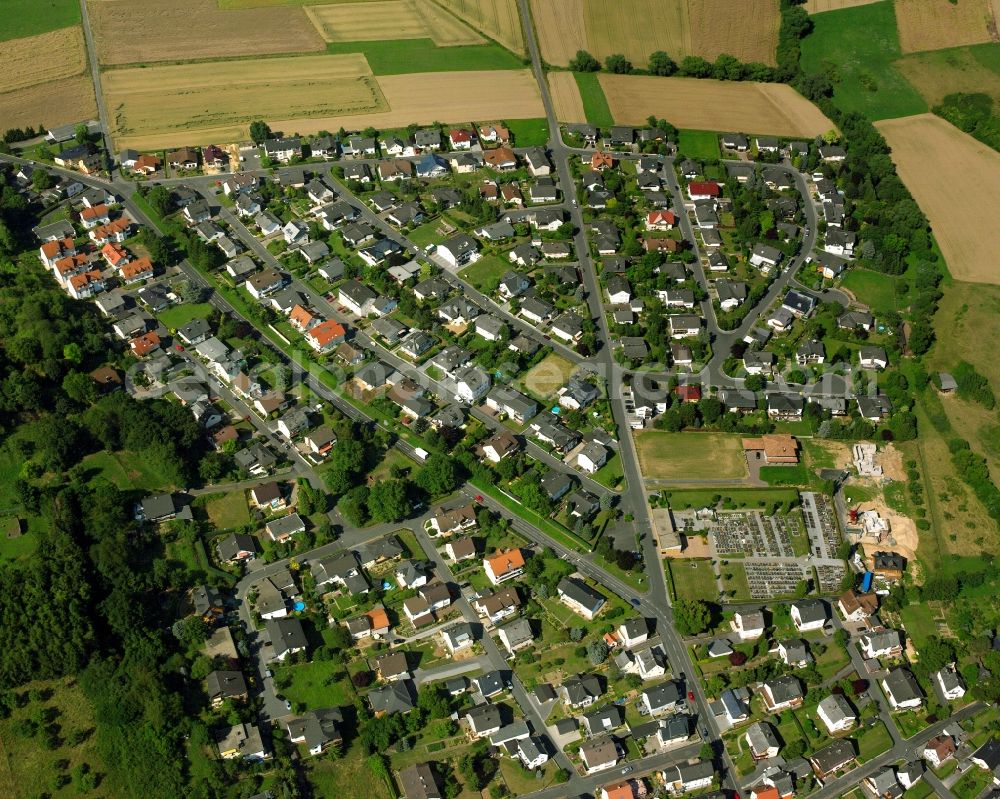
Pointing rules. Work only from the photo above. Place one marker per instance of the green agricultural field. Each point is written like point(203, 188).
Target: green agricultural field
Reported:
point(690, 456)
point(693, 578)
point(403, 56)
point(179, 315)
point(595, 104)
point(31, 17)
point(857, 46)
point(529, 132)
point(703, 144)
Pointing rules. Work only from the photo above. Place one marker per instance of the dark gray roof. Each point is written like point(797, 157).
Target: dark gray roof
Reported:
point(581, 593)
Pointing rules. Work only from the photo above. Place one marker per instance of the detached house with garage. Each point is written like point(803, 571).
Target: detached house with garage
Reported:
point(504, 565)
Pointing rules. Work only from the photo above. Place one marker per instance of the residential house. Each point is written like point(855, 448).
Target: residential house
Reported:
point(499, 605)
point(836, 713)
point(243, 742)
point(597, 755)
point(794, 652)
point(581, 691)
point(504, 565)
point(458, 251)
point(748, 624)
point(762, 741)
point(663, 698)
point(782, 693)
point(808, 614)
point(396, 697)
point(516, 635)
point(832, 758)
point(580, 597)
point(902, 690)
point(881, 643)
point(326, 335)
point(939, 749)
point(499, 446)
point(317, 729)
point(949, 682)
point(872, 358)
point(420, 782)
point(688, 777)
point(223, 686)
point(285, 527)
point(286, 636)
point(855, 606)
point(605, 719)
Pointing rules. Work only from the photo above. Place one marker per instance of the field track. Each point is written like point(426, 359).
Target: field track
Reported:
point(954, 179)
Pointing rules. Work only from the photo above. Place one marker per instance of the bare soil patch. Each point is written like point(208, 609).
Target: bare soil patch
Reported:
point(768, 108)
point(935, 24)
point(170, 105)
point(57, 102)
point(819, 6)
point(127, 32)
point(39, 59)
point(422, 98)
point(498, 19)
point(954, 178)
point(566, 97)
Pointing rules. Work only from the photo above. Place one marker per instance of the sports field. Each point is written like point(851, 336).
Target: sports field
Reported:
point(637, 28)
point(498, 19)
point(690, 456)
point(857, 47)
point(353, 22)
point(933, 24)
point(128, 32)
point(548, 376)
point(165, 106)
point(422, 99)
point(954, 179)
point(960, 69)
point(768, 108)
point(566, 97)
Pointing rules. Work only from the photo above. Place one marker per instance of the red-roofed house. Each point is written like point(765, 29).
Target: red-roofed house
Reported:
point(704, 190)
point(660, 220)
point(142, 345)
point(600, 161)
point(71, 265)
point(620, 790)
point(97, 215)
point(504, 565)
point(301, 319)
point(115, 255)
point(326, 335)
point(86, 285)
point(147, 164)
point(501, 158)
point(688, 393)
point(134, 271)
point(461, 139)
point(494, 134)
point(52, 251)
point(661, 245)
point(116, 231)
point(215, 157)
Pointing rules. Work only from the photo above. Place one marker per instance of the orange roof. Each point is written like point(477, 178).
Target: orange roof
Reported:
point(117, 226)
point(378, 617)
point(113, 253)
point(144, 344)
point(661, 217)
point(600, 160)
point(53, 248)
point(70, 262)
point(501, 155)
point(327, 331)
point(300, 317)
point(508, 561)
point(620, 790)
point(94, 212)
point(79, 281)
point(765, 792)
point(138, 267)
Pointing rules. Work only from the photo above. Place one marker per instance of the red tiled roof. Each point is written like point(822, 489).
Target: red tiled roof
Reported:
point(327, 331)
point(707, 187)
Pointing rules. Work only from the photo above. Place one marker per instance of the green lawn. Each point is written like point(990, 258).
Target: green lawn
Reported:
point(529, 132)
point(972, 783)
point(702, 144)
point(402, 56)
point(872, 742)
point(734, 578)
point(874, 289)
point(611, 474)
point(740, 497)
point(689, 456)
point(29, 766)
point(486, 271)
point(139, 472)
point(313, 686)
point(918, 620)
point(346, 777)
point(15, 548)
point(790, 475)
point(857, 47)
point(693, 578)
point(426, 233)
point(595, 104)
point(226, 511)
point(31, 17)
point(179, 315)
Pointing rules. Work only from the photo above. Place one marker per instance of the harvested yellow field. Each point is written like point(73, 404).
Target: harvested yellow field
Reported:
point(164, 106)
point(363, 22)
point(935, 24)
point(936, 74)
point(498, 19)
point(58, 102)
point(954, 179)
point(559, 28)
point(819, 6)
point(38, 59)
point(766, 108)
point(637, 28)
point(422, 98)
point(130, 32)
point(566, 97)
